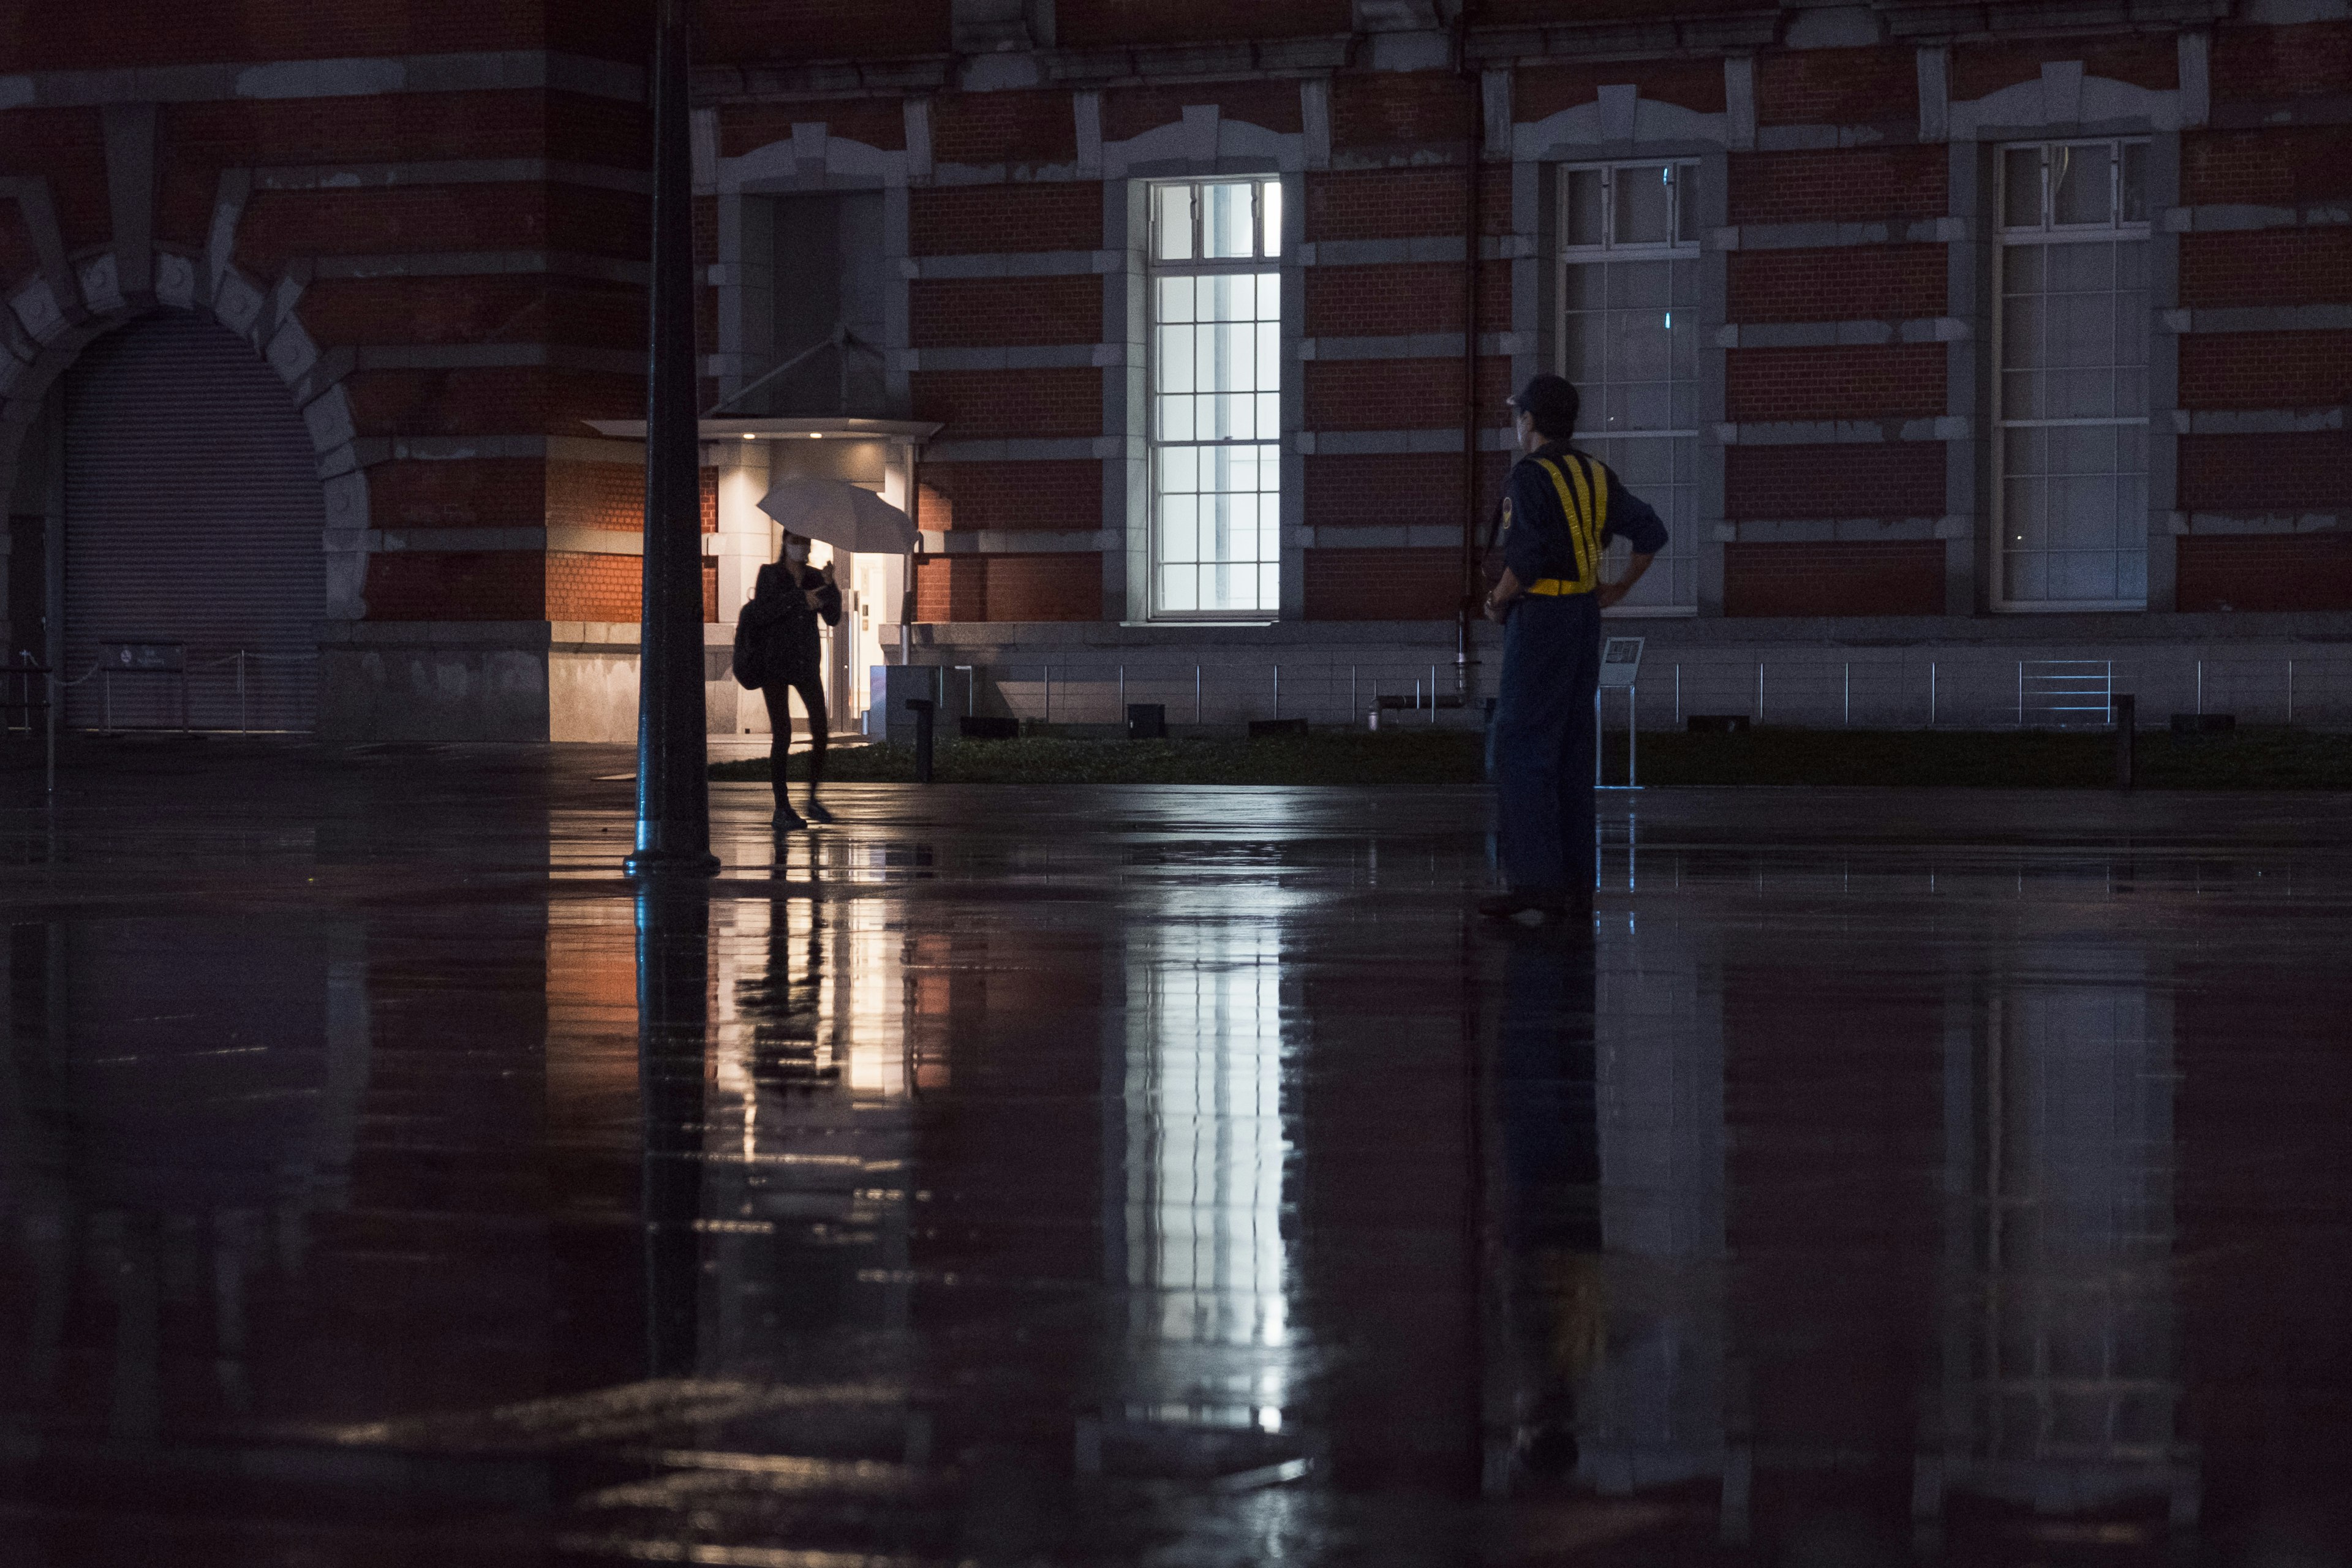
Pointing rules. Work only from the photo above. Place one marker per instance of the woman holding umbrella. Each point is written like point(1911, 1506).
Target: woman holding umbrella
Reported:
point(788, 601)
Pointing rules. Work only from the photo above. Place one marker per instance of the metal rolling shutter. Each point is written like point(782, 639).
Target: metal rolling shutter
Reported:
point(193, 514)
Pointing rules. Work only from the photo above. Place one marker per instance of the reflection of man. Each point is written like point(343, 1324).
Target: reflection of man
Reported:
point(786, 604)
point(1560, 512)
point(1545, 1105)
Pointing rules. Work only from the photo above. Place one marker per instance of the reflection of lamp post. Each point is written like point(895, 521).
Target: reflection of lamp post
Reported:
point(673, 1016)
point(673, 795)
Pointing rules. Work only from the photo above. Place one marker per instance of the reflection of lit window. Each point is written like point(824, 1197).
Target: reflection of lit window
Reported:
point(2074, 1383)
point(1203, 1178)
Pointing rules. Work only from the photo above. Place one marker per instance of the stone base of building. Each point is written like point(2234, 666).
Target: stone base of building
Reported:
point(524, 680)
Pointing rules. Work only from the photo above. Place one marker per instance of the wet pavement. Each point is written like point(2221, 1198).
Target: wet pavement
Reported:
point(1162, 1175)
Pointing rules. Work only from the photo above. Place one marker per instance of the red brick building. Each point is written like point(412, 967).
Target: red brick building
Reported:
point(1973, 333)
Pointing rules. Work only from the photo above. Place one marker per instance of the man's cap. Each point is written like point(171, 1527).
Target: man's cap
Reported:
point(1553, 400)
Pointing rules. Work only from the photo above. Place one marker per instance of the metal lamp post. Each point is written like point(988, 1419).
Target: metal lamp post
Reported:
point(673, 786)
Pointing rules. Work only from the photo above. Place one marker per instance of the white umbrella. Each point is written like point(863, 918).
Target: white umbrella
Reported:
point(841, 514)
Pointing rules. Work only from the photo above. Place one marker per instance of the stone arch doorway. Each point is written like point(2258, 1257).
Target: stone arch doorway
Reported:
point(193, 514)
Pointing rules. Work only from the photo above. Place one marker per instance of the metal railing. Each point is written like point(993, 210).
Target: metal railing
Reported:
point(1873, 690)
point(239, 686)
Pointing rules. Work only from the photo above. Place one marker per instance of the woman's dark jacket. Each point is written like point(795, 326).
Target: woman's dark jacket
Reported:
point(785, 625)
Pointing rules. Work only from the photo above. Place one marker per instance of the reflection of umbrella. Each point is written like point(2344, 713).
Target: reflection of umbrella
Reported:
point(840, 514)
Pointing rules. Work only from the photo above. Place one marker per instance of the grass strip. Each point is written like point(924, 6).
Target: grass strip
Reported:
point(2250, 759)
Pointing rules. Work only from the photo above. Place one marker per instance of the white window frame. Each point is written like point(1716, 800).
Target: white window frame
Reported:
point(2048, 231)
point(1681, 558)
point(1266, 226)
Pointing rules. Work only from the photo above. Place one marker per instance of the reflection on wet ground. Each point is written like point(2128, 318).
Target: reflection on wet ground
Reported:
point(1163, 1175)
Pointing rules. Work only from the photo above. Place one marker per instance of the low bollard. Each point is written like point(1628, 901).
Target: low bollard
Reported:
point(2127, 712)
point(922, 708)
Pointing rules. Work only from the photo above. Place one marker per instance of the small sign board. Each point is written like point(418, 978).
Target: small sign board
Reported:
point(169, 657)
point(1621, 660)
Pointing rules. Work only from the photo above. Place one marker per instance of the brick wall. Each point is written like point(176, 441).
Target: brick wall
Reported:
point(1099, 24)
point(1838, 87)
point(1383, 585)
point(1880, 283)
point(1901, 381)
point(2265, 370)
point(1416, 297)
point(1887, 480)
point(593, 495)
point(486, 585)
point(877, 123)
point(2144, 59)
point(1386, 489)
point(2278, 166)
point(962, 313)
point(1425, 109)
point(1395, 203)
point(1011, 128)
point(1850, 185)
point(1396, 394)
point(2266, 474)
point(479, 492)
point(1538, 92)
point(1045, 587)
point(1129, 111)
point(1892, 577)
point(949, 220)
point(597, 587)
point(951, 588)
point(2264, 65)
point(1009, 587)
point(2299, 572)
point(755, 30)
point(1065, 495)
point(2267, 267)
point(468, 402)
point(981, 403)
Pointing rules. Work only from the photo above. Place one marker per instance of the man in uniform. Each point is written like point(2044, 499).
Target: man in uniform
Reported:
point(1560, 511)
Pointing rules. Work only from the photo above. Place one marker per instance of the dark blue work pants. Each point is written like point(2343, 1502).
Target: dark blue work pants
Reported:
point(1540, 746)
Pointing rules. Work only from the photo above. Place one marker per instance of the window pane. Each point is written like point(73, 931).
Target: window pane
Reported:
point(2076, 268)
point(1172, 366)
point(1644, 215)
point(1685, 182)
point(2135, 183)
point(1581, 345)
point(2021, 187)
point(1228, 224)
point(1175, 418)
point(1270, 200)
point(1171, 219)
point(1583, 224)
point(1644, 283)
point(2021, 330)
point(1176, 299)
point(1179, 469)
point(2084, 181)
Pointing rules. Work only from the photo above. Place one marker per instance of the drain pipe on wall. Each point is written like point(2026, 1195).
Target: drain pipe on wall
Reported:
point(1466, 654)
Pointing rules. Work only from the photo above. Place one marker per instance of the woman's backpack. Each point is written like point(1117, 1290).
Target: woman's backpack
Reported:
point(749, 663)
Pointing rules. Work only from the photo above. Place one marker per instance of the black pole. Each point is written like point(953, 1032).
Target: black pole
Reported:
point(673, 790)
point(922, 708)
point(2127, 710)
